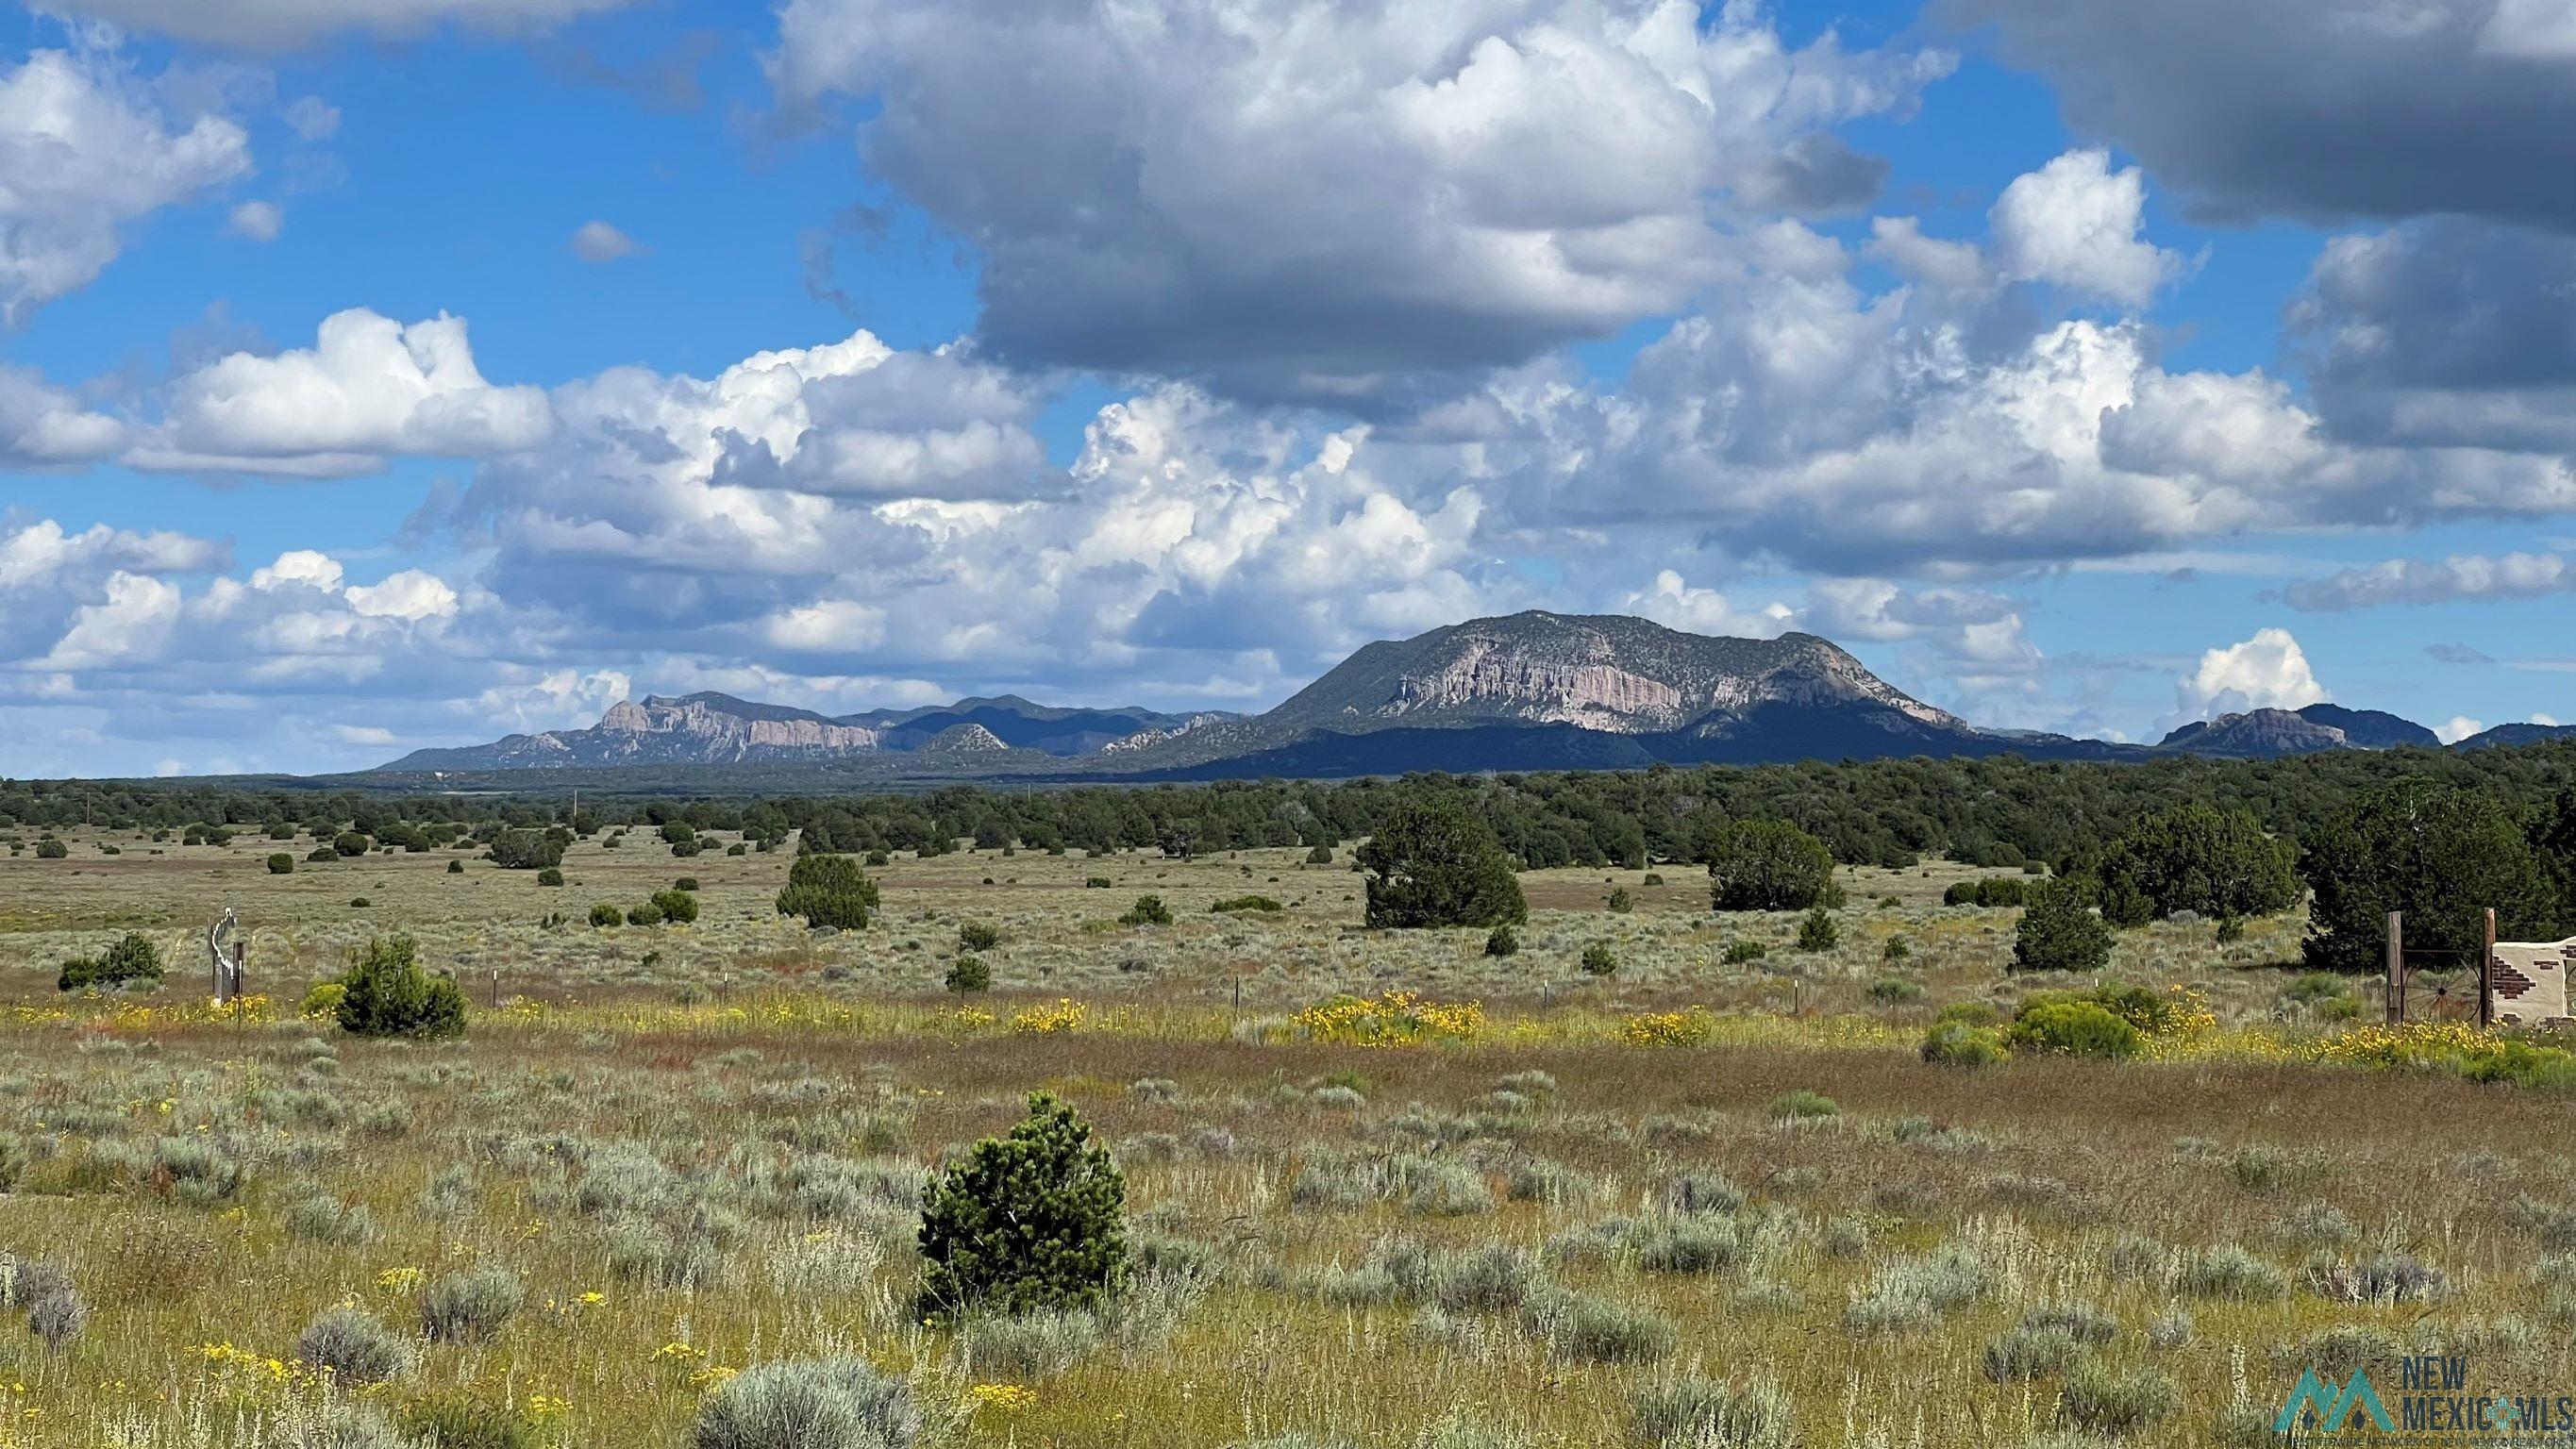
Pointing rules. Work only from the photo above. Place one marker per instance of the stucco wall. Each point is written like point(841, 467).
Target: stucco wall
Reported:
point(2529, 982)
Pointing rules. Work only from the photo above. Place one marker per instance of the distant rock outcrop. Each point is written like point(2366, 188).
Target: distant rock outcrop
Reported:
point(2262, 734)
point(718, 729)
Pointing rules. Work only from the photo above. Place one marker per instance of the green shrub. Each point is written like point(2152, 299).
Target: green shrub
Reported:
point(1029, 1345)
point(1320, 855)
point(321, 853)
point(1690, 1412)
point(1767, 865)
point(687, 883)
point(1148, 911)
point(469, 1306)
point(2030, 1352)
point(1621, 902)
point(550, 876)
point(878, 860)
point(1032, 1220)
point(132, 957)
point(2074, 1028)
point(1260, 904)
point(2059, 932)
point(1803, 1106)
point(2197, 858)
point(1957, 1044)
point(2228, 1271)
point(1597, 960)
point(1096, 882)
point(2001, 890)
point(389, 995)
point(351, 843)
point(281, 863)
point(354, 1347)
point(969, 973)
point(323, 999)
point(1502, 941)
point(1818, 931)
point(1430, 863)
point(1969, 1013)
point(828, 891)
point(603, 914)
point(676, 905)
point(1585, 1329)
point(2117, 1401)
point(647, 914)
point(2151, 1012)
point(835, 1403)
point(977, 936)
point(1895, 991)
point(457, 1421)
point(1743, 949)
point(529, 849)
point(51, 849)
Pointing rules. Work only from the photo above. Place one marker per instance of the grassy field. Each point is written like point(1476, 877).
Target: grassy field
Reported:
point(695, 1149)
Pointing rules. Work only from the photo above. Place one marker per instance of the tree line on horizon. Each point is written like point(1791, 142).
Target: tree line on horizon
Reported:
point(2438, 835)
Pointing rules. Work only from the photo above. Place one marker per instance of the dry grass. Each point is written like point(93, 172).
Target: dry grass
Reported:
point(636, 1124)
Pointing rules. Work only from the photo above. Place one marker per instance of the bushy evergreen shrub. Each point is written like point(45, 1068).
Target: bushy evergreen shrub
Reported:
point(1148, 911)
point(1430, 863)
point(1029, 1221)
point(388, 994)
point(968, 974)
point(828, 890)
point(131, 958)
point(2059, 932)
point(1767, 865)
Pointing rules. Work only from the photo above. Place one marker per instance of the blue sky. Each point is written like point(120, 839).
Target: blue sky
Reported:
point(861, 352)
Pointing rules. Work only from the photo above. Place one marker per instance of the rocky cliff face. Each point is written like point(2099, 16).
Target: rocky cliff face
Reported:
point(717, 729)
point(1671, 694)
point(2256, 734)
point(698, 728)
point(2267, 733)
point(1593, 696)
point(1610, 673)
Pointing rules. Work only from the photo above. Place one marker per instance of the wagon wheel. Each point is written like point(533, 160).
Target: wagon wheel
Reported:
point(2449, 996)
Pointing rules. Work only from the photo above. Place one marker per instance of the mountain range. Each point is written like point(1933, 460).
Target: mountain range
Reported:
point(1531, 691)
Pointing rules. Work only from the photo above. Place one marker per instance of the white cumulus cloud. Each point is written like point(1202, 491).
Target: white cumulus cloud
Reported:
point(85, 151)
point(2268, 671)
point(2075, 223)
point(369, 386)
point(1285, 199)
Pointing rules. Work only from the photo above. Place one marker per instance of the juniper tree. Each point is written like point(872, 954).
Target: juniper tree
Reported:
point(1431, 863)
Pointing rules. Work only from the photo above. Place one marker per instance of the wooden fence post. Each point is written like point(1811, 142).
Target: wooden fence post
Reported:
point(2486, 975)
point(2395, 995)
